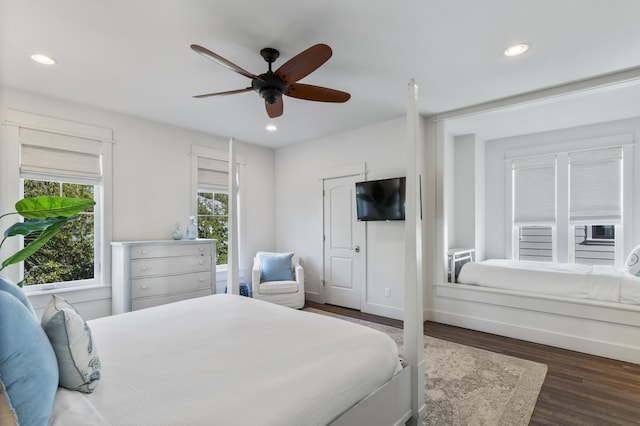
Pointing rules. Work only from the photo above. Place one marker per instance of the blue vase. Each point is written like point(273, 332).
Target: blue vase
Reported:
point(192, 229)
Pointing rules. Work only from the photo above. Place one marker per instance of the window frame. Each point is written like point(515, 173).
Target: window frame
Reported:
point(208, 153)
point(12, 188)
point(563, 229)
point(214, 190)
point(98, 238)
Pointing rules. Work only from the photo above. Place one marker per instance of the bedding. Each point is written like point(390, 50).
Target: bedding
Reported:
point(596, 282)
point(227, 359)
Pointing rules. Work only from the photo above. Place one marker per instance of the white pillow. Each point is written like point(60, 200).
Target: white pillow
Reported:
point(70, 337)
point(632, 265)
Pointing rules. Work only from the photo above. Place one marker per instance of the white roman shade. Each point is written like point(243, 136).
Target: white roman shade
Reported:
point(534, 191)
point(46, 153)
point(213, 174)
point(595, 187)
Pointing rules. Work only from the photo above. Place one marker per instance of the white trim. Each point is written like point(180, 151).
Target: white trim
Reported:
point(571, 146)
point(29, 120)
point(344, 170)
point(589, 326)
point(214, 154)
point(617, 79)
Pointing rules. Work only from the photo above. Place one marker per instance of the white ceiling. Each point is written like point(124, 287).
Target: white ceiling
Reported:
point(134, 57)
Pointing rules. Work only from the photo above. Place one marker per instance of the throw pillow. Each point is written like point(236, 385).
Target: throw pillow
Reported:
point(71, 339)
point(632, 265)
point(10, 287)
point(28, 367)
point(276, 267)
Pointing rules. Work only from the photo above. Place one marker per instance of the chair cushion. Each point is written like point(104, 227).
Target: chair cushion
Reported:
point(278, 287)
point(28, 367)
point(276, 267)
point(70, 337)
point(10, 287)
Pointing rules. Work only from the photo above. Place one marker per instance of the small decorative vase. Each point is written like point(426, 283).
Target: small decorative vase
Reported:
point(177, 232)
point(192, 229)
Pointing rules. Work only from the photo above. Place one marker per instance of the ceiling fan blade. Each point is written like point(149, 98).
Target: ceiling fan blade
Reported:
point(316, 93)
point(303, 64)
point(230, 92)
point(222, 61)
point(275, 110)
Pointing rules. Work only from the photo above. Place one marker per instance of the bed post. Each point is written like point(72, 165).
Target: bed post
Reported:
point(233, 270)
point(413, 302)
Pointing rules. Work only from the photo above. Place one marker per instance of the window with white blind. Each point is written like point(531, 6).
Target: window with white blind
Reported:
point(48, 156)
point(212, 198)
point(585, 206)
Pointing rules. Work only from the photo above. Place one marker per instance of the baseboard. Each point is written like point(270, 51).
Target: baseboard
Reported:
point(577, 343)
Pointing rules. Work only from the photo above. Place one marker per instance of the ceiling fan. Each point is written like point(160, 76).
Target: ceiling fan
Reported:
point(271, 85)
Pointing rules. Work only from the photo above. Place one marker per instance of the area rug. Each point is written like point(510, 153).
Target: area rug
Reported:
point(470, 386)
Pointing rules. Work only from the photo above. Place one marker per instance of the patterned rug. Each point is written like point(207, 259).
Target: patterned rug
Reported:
point(470, 386)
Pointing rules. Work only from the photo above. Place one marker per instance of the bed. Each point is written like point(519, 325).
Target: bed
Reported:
point(594, 282)
point(590, 309)
point(228, 359)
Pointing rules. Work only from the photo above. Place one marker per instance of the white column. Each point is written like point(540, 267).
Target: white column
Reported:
point(232, 263)
point(413, 302)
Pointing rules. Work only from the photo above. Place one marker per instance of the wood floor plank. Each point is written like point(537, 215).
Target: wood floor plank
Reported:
point(579, 389)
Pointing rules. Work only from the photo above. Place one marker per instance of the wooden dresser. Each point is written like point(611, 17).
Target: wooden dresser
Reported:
point(151, 273)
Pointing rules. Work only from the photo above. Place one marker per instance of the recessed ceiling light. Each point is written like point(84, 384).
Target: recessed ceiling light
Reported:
point(271, 127)
point(43, 59)
point(516, 49)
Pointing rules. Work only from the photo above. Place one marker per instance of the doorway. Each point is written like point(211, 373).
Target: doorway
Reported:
point(344, 243)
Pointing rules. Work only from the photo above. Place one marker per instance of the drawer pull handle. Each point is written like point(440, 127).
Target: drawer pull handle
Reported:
point(144, 268)
point(144, 251)
point(201, 280)
point(201, 248)
point(144, 287)
point(201, 262)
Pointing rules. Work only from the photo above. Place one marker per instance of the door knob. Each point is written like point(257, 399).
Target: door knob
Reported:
point(356, 249)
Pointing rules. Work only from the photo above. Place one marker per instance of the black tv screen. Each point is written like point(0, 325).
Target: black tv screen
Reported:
point(381, 199)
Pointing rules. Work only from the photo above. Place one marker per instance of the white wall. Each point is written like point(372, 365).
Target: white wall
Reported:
point(299, 208)
point(496, 242)
point(151, 181)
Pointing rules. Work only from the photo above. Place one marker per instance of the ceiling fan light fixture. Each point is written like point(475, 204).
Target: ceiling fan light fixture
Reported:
point(270, 94)
point(43, 59)
point(516, 49)
point(271, 127)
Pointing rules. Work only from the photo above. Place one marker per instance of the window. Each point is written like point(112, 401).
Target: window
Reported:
point(535, 243)
point(210, 185)
point(595, 244)
point(71, 255)
point(213, 220)
point(534, 207)
point(567, 207)
point(69, 159)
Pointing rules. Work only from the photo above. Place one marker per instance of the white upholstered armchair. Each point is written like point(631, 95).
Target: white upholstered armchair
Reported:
point(278, 278)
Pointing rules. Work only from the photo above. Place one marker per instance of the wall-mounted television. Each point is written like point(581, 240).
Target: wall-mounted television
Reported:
point(381, 199)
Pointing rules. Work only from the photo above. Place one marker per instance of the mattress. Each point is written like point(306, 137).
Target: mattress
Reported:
point(594, 282)
point(227, 359)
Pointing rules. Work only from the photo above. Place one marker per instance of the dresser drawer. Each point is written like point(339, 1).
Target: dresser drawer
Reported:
point(144, 287)
point(170, 266)
point(146, 251)
point(148, 302)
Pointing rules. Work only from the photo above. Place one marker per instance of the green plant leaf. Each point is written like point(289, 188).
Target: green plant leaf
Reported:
point(46, 206)
point(35, 245)
point(34, 225)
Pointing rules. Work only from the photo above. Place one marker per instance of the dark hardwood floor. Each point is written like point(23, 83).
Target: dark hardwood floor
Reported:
point(579, 389)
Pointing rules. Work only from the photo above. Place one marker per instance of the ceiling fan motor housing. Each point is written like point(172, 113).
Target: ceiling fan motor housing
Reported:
point(269, 87)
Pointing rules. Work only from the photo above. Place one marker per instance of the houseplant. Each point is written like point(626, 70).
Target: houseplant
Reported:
point(44, 214)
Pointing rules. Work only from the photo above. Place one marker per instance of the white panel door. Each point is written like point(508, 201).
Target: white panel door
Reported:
point(344, 242)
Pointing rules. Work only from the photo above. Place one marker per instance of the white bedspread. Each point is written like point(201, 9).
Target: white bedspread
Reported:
point(561, 279)
point(229, 360)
